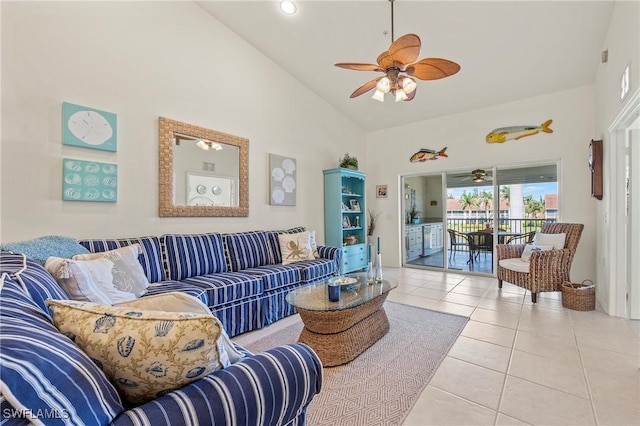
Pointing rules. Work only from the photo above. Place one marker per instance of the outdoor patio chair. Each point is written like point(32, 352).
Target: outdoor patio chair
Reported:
point(480, 242)
point(546, 270)
point(457, 239)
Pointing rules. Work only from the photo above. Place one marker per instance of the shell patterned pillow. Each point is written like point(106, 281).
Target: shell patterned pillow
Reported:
point(144, 353)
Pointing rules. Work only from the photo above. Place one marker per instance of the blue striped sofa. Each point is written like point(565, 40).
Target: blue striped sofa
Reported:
point(46, 379)
point(239, 276)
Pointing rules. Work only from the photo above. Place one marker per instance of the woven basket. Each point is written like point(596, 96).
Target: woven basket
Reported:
point(579, 297)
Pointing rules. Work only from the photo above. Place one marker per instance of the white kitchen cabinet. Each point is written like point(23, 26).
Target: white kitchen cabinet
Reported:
point(413, 241)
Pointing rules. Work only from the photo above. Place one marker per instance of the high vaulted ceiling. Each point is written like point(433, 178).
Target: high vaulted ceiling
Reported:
point(508, 50)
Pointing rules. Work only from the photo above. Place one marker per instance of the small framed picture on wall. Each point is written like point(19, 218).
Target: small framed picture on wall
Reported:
point(381, 191)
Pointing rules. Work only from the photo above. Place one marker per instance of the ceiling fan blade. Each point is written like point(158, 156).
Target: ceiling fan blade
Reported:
point(358, 66)
point(433, 69)
point(405, 49)
point(365, 87)
point(411, 95)
point(385, 60)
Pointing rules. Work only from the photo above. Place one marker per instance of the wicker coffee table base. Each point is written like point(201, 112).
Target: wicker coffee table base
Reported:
point(338, 337)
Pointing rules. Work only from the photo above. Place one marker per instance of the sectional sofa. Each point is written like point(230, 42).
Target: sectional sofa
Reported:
point(240, 276)
point(46, 379)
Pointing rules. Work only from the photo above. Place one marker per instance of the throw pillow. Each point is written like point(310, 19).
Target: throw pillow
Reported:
point(128, 274)
point(110, 277)
point(530, 248)
point(176, 301)
point(555, 240)
point(40, 249)
point(314, 245)
point(295, 247)
point(77, 282)
point(145, 353)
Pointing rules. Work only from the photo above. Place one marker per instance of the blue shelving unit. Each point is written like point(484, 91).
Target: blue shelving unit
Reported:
point(345, 218)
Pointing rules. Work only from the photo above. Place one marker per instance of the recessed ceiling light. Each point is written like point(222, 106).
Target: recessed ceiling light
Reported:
point(288, 7)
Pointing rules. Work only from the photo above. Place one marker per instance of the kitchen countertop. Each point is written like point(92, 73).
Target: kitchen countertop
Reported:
point(425, 222)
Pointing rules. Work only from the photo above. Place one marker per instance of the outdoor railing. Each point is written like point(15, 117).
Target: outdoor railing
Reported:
point(508, 225)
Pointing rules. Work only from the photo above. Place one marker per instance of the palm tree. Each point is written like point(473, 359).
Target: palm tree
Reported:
point(468, 200)
point(486, 197)
point(505, 193)
point(533, 208)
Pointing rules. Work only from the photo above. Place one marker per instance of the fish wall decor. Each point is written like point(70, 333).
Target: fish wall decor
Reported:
point(427, 154)
point(504, 134)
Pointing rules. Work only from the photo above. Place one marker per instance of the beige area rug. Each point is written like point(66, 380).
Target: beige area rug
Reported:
point(382, 384)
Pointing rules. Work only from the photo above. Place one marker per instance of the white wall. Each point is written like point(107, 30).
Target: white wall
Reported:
point(623, 43)
point(143, 60)
point(572, 111)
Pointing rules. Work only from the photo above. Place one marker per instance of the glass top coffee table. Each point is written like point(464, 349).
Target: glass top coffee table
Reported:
point(340, 331)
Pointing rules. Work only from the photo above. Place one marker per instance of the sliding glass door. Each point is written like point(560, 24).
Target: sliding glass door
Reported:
point(453, 220)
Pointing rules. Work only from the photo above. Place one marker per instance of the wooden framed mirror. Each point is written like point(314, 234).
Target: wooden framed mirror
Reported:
point(202, 172)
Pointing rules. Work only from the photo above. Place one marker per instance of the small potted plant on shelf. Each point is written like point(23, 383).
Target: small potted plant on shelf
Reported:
point(349, 162)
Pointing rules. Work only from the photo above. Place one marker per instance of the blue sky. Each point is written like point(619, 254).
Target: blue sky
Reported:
point(537, 190)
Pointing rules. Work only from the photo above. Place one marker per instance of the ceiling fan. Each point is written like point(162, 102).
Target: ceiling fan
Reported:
point(478, 176)
point(399, 60)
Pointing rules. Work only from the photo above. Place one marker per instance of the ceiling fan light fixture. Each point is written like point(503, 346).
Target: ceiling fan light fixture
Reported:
point(378, 96)
point(478, 179)
point(384, 85)
point(400, 95)
point(408, 85)
point(288, 7)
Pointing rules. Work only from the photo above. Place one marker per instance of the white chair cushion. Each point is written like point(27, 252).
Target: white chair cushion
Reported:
point(555, 240)
point(515, 264)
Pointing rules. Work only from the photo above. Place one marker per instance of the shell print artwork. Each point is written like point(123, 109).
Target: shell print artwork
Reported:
point(195, 372)
point(163, 328)
point(109, 194)
point(289, 184)
point(109, 169)
point(277, 174)
point(92, 168)
point(89, 181)
point(91, 194)
point(73, 178)
point(157, 369)
point(73, 166)
point(193, 345)
point(503, 134)
point(90, 127)
point(289, 166)
point(125, 345)
point(104, 324)
point(126, 383)
point(72, 194)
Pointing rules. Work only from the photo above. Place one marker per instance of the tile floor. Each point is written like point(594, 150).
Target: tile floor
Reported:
point(516, 363)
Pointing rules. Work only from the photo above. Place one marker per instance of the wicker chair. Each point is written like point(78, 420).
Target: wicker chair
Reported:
point(521, 238)
point(548, 270)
